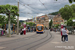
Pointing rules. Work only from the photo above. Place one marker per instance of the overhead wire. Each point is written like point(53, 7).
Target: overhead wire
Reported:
point(43, 5)
point(25, 6)
point(32, 7)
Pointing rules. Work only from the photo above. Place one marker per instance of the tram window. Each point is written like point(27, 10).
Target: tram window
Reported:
point(39, 28)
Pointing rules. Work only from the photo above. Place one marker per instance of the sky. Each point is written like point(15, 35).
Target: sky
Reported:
point(33, 8)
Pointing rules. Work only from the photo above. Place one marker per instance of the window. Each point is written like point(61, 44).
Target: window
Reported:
point(43, 18)
point(39, 28)
point(37, 18)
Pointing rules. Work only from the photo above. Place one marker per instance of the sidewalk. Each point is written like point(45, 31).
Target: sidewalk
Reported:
point(14, 36)
point(56, 43)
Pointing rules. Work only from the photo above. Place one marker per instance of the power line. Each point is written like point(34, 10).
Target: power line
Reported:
point(28, 13)
point(43, 5)
point(27, 5)
point(28, 8)
point(24, 5)
point(31, 7)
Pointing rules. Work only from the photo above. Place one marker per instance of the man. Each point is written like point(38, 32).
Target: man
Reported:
point(63, 34)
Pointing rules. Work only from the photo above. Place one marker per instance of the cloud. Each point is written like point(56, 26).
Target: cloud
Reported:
point(35, 7)
point(40, 14)
point(23, 18)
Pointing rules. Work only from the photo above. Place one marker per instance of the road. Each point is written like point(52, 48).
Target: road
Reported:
point(27, 43)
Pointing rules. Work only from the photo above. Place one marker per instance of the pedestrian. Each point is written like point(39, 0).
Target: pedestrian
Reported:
point(22, 31)
point(4, 31)
point(67, 35)
point(63, 38)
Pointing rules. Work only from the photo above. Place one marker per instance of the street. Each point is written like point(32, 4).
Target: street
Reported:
point(27, 43)
point(32, 41)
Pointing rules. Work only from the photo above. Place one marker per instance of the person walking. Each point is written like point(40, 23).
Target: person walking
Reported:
point(67, 35)
point(63, 38)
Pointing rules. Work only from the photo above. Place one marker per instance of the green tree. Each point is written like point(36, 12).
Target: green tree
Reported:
point(70, 22)
point(0, 25)
point(54, 13)
point(50, 23)
point(31, 23)
point(2, 20)
point(56, 26)
point(9, 10)
point(70, 1)
point(67, 11)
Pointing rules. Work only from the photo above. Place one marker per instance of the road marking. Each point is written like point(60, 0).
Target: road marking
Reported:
point(2, 47)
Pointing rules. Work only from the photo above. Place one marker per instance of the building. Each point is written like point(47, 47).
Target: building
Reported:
point(58, 19)
point(29, 20)
point(44, 19)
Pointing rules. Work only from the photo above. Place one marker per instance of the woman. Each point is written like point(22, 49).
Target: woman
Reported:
point(67, 35)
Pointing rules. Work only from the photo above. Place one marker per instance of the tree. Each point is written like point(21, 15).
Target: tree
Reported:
point(54, 13)
point(31, 23)
point(0, 25)
point(67, 11)
point(2, 20)
point(56, 26)
point(50, 23)
point(70, 22)
point(70, 1)
point(9, 10)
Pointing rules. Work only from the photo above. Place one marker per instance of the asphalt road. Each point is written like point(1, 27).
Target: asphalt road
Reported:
point(27, 43)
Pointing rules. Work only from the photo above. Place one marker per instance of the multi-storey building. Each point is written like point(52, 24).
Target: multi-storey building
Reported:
point(58, 20)
point(44, 19)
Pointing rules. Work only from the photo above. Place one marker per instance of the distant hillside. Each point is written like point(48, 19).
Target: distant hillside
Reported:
point(54, 13)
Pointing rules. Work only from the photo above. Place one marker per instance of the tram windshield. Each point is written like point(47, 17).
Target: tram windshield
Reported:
point(39, 28)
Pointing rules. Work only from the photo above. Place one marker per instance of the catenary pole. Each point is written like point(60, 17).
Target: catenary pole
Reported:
point(18, 21)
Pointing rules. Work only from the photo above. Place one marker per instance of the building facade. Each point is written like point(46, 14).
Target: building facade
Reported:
point(58, 20)
point(44, 19)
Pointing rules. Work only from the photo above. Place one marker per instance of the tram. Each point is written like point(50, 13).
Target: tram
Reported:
point(39, 28)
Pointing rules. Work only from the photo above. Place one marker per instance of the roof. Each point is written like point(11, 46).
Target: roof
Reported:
point(51, 16)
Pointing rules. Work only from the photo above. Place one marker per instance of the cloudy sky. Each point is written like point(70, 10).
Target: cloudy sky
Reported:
point(34, 8)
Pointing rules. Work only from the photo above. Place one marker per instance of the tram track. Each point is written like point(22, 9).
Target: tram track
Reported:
point(35, 42)
point(18, 40)
point(41, 42)
point(31, 43)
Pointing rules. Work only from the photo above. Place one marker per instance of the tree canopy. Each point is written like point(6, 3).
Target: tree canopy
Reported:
point(9, 9)
point(30, 23)
point(67, 11)
point(70, 22)
point(54, 13)
point(70, 1)
point(2, 20)
point(50, 23)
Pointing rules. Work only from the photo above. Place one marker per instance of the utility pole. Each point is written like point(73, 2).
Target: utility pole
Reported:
point(18, 21)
